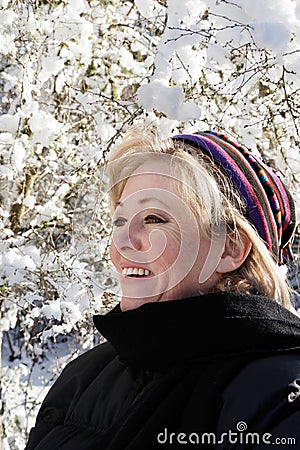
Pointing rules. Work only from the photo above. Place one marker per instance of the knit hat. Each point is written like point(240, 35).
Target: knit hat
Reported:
point(269, 204)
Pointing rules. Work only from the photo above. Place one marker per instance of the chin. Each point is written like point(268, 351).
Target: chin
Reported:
point(128, 304)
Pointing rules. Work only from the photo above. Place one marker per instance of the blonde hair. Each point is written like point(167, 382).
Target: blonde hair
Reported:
point(213, 199)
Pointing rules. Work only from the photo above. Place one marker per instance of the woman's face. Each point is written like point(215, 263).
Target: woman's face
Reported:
point(157, 247)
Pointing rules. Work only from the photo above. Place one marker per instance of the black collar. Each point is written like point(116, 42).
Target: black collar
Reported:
point(159, 335)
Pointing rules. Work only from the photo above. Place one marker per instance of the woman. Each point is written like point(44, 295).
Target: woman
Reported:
point(204, 348)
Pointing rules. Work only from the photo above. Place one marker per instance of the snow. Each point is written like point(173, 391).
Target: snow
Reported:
point(7, 17)
point(79, 5)
point(145, 7)
point(104, 130)
point(271, 10)
point(52, 311)
point(43, 126)
point(72, 312)
point(50, 66)
point(18, 155)
point(48, 210)
point(9, 123)
point(29, 201)
point(273, 36)
point(15, 258)
point(191, 63)
point(297, 10)
point(184, 9)
point(62, 190)
point(169, 100)
point(6, 172)
point(4, 3)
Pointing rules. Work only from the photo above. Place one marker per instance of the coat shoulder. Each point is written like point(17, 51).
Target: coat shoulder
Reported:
point(81, 371)
point(264, 394)
point(73, 381)
point(86, 367)
point(90, 362)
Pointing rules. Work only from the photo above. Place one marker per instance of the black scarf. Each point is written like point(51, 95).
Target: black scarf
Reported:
point(208, 327)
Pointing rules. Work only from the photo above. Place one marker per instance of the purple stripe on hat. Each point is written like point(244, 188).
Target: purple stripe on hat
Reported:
point(247, 191)
point(239, 179)
point(244, 157)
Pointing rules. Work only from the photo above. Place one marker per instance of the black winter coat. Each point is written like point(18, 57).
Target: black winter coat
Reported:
point(216, 371)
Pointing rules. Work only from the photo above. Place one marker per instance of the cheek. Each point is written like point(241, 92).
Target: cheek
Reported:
point(182, 241)
point(113, 253)
point(173, 246)
point(173, 236)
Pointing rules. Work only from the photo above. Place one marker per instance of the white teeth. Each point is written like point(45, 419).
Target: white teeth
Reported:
point(127, 271)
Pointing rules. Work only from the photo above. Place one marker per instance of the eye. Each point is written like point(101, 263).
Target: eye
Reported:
point(151, 218)
point(119, 222)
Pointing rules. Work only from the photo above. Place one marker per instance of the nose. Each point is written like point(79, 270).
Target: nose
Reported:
point(131, 236)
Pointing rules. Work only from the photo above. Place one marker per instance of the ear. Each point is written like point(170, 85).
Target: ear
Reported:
point(236, 250)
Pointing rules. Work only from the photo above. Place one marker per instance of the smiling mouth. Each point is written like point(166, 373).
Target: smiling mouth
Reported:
point(136, 272)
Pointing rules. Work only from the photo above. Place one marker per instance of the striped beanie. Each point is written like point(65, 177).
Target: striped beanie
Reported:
point(269, 204)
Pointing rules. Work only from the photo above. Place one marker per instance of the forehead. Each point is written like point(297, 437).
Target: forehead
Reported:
point(150, 177)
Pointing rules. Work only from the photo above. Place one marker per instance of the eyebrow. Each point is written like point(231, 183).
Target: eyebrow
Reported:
point(145, 200)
